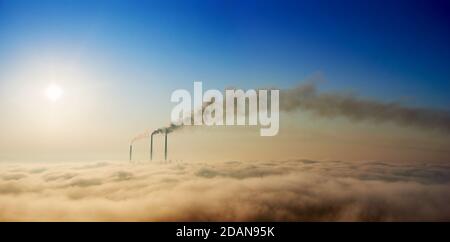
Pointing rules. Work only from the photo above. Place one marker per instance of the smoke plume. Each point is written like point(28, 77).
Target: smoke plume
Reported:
point(171, 127)
point(330, 105)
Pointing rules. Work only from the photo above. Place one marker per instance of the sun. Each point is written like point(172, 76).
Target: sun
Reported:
point(54, 92)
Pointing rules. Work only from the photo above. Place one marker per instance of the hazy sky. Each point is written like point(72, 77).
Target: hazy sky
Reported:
point(118, 62)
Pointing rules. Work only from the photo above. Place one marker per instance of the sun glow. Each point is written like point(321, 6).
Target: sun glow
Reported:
point(54, 92)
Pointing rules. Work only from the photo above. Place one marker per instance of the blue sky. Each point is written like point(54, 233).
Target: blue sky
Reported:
point(382, 49)
point(385, 49)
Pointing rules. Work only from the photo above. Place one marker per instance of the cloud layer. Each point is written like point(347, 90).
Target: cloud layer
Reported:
point(293, 190)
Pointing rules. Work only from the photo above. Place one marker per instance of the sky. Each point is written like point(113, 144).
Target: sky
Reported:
point(119, 61)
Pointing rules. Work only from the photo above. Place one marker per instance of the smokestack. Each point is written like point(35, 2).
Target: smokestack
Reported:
point(165, 145)
point(131, 152)
point(151, 146)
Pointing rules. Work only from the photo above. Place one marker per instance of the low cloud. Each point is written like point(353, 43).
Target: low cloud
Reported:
point(292, 190)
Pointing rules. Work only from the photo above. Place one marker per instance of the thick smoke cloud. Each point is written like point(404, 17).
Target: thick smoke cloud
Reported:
point(292, 190)
point(171, 127)
point(330, 105)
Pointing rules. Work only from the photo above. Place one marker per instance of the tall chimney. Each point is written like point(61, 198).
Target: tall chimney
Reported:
point(151, 146)
point(131, 151)
point(165, 145)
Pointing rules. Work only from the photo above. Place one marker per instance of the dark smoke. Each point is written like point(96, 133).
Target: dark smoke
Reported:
point(172, 127)
point(330, 105)
point(168, 129)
